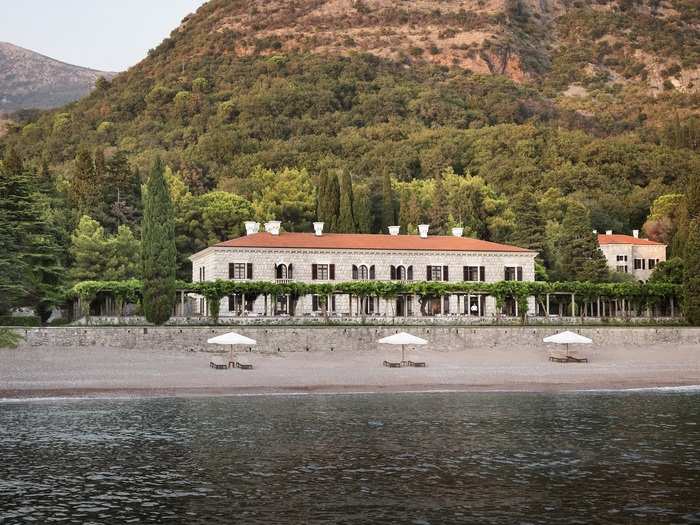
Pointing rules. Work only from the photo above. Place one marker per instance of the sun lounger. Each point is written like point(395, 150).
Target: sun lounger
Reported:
point(218, 363)
point(563, 357)
point(391, 364)
point(417, 364)
point(244, 366)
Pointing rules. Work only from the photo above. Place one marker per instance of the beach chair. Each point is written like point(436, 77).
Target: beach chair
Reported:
point(391, 364)
point(558, 356)
point(417, 364)
point(218, 363)
point(574, 357)
point(244, 366)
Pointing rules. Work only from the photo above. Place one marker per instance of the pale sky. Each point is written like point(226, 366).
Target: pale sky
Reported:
point(110, 35)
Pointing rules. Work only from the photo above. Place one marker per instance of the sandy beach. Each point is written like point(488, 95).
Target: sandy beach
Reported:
point(41, 372)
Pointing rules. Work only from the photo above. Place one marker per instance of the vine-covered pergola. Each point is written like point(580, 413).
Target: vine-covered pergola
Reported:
point(573, 299)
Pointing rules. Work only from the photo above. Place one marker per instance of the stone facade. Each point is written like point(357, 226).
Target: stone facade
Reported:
point(343, 338)
point(629, 254)
point(261, 264)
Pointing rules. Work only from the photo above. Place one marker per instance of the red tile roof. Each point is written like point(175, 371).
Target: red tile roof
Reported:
point(618, 238)
point(359, 241)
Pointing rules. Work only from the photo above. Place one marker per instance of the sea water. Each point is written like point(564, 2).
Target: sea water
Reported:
point(603, 457)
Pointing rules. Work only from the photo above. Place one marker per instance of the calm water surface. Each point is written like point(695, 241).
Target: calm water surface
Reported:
point(401, 458)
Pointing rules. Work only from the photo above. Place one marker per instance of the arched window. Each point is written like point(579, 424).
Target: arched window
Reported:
point(354, 272)
point(364, 273)
point(282, 271)
point(401, 273)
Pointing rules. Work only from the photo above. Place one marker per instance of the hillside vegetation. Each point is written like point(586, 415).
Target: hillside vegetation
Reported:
point(468, 112)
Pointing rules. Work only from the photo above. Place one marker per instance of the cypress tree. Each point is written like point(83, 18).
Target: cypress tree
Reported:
point(329, 200)
point(346, 217)
point(363, 209)
point(439, 213)
point(158, 253)
point(388, 204)
point(691, 279)
point(529, 229)
point(580, 257)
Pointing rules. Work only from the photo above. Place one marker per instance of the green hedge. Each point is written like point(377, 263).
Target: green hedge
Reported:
point(8, 320)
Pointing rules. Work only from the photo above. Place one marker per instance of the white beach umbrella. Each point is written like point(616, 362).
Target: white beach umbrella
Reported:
point(567, 338)
point(403, 339)
point(231, 338)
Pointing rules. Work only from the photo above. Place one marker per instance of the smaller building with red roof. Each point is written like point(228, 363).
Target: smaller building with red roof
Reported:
point(631, 254)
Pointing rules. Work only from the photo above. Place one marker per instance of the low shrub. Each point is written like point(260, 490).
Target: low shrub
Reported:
point(9, 320)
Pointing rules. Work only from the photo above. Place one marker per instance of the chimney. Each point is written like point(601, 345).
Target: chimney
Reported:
point(635, 234)
point(273, 227)
point(457, 232)
point(608, 232)
point(423, 230)
point(318, 229)
point(394, 230)
point(251, 227)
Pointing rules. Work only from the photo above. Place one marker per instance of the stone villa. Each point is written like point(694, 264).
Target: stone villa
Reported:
point(320, 257)
point(630, 254)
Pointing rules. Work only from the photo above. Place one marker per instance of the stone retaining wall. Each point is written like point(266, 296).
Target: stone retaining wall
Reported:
point(339, 338)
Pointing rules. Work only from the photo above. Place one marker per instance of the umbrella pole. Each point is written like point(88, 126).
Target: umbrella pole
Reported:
point(403, 356)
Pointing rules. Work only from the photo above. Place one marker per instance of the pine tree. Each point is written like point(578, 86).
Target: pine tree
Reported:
point(579, 257)
point(158, 253)
point(529, 228)
point(691, 279)
point(31, 266)
point(388, 204)
point(346, 216)
point(329, 200)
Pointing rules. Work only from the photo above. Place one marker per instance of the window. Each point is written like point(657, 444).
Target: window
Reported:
point(513, 273)
point(437, 273)
point(401, 273)
point(323, 272)
point(474, 273)
point(236, 303)
point(639, 264)
point(283, 271)
point(622, 268)
point(202, 274)
point(621, 258)
point(317, 302)
point(236, 271)
point(652, 263)
point(446, 304)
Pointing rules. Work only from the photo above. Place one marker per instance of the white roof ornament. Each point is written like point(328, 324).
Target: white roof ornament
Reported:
point(318, 228)
point(394, 230)
point(635, 234)
point(423, 230)
point(608, 232)
point(273, 227)
point(457, 232)
point(251, 227)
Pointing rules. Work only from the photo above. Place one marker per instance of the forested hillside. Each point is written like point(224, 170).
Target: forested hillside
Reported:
point(504, 116)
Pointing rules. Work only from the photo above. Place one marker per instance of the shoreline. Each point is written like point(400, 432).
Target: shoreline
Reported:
point(188, 392)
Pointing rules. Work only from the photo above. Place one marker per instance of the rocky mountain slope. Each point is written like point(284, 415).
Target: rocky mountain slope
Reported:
point(31, 80)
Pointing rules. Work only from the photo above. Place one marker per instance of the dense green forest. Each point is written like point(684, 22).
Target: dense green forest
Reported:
point(359, 141)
